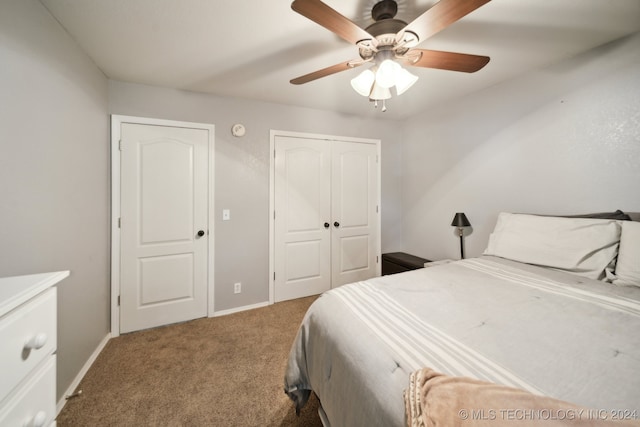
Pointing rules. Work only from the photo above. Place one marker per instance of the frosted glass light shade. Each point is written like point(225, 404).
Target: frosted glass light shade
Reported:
point(378, 92)
point(404, 80)
point(363, 82)
point(386, 74)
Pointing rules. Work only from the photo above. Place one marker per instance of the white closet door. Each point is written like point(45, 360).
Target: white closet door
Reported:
point(302, 200)
point(164, 199)
point(354, 201)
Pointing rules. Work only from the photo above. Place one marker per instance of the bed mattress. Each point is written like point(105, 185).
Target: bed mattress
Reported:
point(545, 331)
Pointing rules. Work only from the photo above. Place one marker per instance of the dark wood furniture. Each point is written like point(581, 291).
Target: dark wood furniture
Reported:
point(397, 262)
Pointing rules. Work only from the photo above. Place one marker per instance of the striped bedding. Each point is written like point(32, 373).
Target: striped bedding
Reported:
point(544, 331)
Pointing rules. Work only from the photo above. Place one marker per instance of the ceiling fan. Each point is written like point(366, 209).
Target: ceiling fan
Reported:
point(389, 42)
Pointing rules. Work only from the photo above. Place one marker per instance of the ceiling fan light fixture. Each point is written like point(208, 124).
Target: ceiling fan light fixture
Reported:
point(379, 92)
point(363, 82)
point(386, 74)
point(404, 80)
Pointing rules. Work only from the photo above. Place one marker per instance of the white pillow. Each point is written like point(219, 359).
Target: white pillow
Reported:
point(582, 246)
point(628, 265)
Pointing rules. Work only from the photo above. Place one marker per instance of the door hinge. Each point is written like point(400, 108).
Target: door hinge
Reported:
point(377, 259)
point(119, 222)
point(274, 214)
point(274, 154)
point(120, 144)
point(377, 209)
point(118, 300)
point(274, 275)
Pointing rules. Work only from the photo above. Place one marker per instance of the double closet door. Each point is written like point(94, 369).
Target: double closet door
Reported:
point(327, 224)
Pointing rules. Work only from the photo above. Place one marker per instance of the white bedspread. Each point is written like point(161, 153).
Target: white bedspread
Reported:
point(548, 332)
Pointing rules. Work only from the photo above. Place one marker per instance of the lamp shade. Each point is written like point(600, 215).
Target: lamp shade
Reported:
point(379, 93)
point(404, 80)
point(386, 74)
point(460, 220)
point(363, 82)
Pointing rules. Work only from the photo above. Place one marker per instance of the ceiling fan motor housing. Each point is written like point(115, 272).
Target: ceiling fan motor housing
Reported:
point(384, 29)
point(387, 26)
point(385, 32)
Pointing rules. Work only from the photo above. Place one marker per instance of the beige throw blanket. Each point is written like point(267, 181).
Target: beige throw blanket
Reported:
point(437, 400)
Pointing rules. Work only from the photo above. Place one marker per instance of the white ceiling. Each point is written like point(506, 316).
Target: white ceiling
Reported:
point(252, 48)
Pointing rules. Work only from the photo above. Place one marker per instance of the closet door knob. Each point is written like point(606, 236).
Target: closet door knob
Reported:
point(336, 224)
point(326, 225)
point(200, 233)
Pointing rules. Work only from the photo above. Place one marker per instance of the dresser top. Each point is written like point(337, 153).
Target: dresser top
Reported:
point(17, 290)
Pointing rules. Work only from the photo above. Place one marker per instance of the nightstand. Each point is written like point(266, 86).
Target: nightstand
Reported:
point(398, 262)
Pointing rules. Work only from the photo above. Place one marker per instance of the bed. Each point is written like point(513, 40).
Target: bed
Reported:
point(552, 308)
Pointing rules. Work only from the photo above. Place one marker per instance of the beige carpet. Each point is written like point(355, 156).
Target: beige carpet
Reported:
point(223, 371)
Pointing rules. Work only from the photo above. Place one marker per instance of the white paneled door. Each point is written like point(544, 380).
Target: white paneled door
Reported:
point(354, 206)
point(303, 211)
point(164, 225)
point(326, 227)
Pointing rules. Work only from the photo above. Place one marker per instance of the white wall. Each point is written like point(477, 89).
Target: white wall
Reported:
point(560, 140)
point(242, 173)
point(54, 174)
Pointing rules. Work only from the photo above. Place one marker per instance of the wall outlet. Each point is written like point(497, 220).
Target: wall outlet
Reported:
point(237, 288)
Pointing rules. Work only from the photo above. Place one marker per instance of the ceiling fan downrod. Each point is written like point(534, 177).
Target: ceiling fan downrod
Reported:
point(385, 9)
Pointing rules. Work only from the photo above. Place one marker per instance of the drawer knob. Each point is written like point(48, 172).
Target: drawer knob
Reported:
point(36, 342)
point(38, 420)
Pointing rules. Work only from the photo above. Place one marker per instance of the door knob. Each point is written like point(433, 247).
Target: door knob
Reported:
point(336, 224)
point(326, 225)
point(200, 233)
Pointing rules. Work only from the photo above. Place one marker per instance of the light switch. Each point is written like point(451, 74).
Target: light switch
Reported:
point(226, 214)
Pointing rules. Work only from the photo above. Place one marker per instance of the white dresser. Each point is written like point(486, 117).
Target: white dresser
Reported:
point(28, 338)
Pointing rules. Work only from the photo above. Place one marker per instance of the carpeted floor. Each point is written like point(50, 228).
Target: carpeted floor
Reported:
point(223, 371)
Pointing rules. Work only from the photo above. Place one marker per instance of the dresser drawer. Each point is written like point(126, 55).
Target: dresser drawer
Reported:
point(36, 321)
point(33, 403)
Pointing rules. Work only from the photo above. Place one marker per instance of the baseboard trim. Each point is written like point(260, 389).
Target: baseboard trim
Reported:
point(239, 309)
point(76, 382)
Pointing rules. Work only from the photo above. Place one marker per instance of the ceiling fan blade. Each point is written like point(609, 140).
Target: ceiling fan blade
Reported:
point(343, 66)
point(447, 60)
point(323, 15)
point(441, 15)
